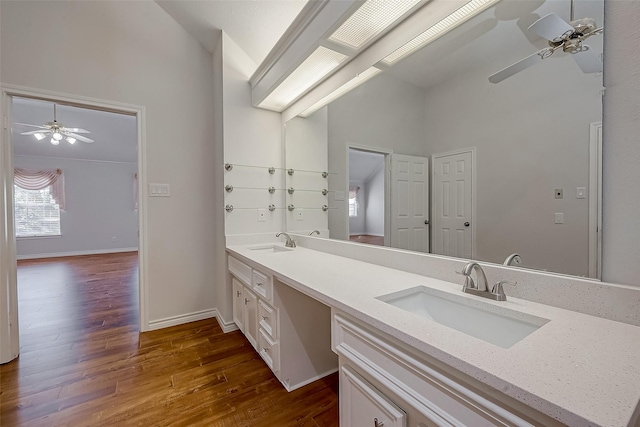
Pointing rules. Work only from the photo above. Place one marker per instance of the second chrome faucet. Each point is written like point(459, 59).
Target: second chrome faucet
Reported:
point(481, 288)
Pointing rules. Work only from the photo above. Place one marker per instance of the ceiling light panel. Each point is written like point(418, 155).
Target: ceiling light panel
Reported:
point(319, 64)
point(373, 17)
point(458, 17)
point(351, 84)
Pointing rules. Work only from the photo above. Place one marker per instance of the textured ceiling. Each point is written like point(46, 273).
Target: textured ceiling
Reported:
point(255, 25)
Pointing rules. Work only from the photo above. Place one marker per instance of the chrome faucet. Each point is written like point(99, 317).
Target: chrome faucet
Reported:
point(481, 289)
point(513, 259)
point(290, 242)
point(314, 232)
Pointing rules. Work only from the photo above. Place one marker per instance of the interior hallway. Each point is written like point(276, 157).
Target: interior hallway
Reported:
point(83, 361)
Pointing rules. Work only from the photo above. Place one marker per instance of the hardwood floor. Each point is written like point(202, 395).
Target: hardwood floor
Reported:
point(84, 363)
point(368, 239)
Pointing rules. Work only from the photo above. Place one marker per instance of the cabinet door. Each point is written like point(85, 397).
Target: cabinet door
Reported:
point(238, 304)
point(250, 318)
point(361, 404)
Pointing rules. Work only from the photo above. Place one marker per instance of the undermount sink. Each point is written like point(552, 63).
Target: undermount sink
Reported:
point(497, 325)
point(270, 248)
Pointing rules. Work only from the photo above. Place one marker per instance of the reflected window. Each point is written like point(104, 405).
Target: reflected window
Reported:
point(353, 200)
point(36, 213)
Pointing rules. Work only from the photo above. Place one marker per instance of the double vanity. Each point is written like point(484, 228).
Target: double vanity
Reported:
point(413, 350)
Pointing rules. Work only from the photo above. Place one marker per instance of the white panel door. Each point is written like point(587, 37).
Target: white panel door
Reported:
point(452, 204)
point(410, 202)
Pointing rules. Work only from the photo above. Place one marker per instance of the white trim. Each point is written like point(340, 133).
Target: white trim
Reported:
point(224, 325)
point(474, 180)
point(8, 257)
point(182, 319)
point(76, 253)
point(387, 152)
point(595, 201)
point(308, 381)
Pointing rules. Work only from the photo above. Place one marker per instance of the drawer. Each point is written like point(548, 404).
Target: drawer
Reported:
point(268, 319)
point(269, 351)
point(262, 285)
point(241, 270)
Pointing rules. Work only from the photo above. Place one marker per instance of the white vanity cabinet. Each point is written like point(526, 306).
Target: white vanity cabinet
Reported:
point(378, 369)
point(291, 331)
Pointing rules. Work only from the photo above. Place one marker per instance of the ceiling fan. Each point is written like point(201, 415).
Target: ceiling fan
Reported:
point(58, 131)
point(568, 36)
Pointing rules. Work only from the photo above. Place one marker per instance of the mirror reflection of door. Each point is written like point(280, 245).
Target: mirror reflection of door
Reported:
point(453, 220)
point(366, 197)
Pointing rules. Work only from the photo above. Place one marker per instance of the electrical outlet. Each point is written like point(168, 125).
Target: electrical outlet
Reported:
point(559, 218)
point(299, 214)
point(581, 193)
point(262, 215)
point(559, 193)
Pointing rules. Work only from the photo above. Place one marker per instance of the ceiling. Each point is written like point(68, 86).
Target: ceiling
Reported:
point(255, 25)
point(363, 164)
point(115, 135)
point(498, 36)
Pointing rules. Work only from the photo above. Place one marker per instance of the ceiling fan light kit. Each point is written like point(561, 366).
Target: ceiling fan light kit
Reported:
point(58, 131)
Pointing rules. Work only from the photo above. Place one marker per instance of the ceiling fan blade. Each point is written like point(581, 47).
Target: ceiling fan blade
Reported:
point(81, 138)
point(77, 130)
point(33, 132)
point(551, 27)
point(32, 126)
point(523, 64)
point(587, 60)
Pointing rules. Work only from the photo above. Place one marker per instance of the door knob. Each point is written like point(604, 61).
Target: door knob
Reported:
point(466, 224)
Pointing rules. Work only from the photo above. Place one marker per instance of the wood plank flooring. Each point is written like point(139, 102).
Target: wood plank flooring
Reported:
point(83, 361)
point(368, 239)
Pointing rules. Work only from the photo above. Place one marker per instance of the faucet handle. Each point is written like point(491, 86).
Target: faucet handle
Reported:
point(498, 288)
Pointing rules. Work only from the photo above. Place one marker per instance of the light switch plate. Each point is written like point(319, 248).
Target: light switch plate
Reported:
point(581, 193)
point(262, 215)
point(159, 190)
point(559, 218)
point(559, 193)
point(299, 214)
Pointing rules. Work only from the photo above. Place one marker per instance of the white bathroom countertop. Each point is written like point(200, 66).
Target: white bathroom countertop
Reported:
point(579, 369)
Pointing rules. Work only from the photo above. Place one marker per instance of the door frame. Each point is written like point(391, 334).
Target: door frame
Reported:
point(387, 185)
point(595, 200)
point(9, 334)
point(474, 179)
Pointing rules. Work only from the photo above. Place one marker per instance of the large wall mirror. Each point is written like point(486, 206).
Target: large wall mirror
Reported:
point(429, 155)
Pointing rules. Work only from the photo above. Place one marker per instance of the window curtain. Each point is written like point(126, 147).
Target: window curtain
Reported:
point(37, 180)
point(135, 191)
point(353, 191)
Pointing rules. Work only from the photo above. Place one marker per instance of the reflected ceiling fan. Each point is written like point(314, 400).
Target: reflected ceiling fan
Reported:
point(57, 131)
point(568, 36)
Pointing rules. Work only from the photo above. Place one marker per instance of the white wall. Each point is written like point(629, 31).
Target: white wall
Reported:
point(621, 127)
point(99, 207)
point(251, 137)
point(375, 202)
point(384, 113)
point(133, 52)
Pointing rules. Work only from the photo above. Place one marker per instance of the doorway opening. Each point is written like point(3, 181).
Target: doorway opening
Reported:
point(368, 195)
point(72, 173)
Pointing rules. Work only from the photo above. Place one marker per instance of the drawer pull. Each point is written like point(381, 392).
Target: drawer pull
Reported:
point(246, 301)
point(377, 423)
point(259, 283)
point(265, 318)
point(265, 350)
point(238, 293)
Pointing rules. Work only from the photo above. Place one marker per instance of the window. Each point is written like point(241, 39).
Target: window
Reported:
point(36, 213)
point(353, 200)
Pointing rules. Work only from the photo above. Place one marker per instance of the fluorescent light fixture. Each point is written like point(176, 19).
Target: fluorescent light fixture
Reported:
point(39, 136)
point(55, 141)
point(71, 140)
point(57, 136)
point(373, 17)
point(320, 63)
point(447, 24)
point(353, 83)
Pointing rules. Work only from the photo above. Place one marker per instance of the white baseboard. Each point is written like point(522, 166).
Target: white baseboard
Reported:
point(224, 325)
point(77, 253)
point(309, 381)
point(182, 318)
